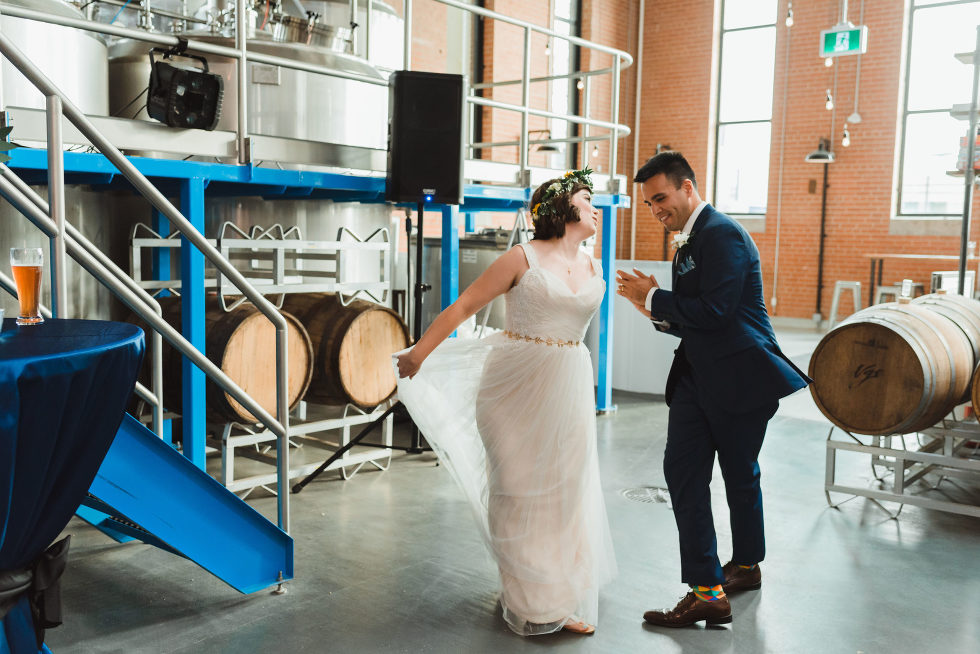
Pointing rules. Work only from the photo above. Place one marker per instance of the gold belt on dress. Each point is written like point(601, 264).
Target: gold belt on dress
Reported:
point(541, 341)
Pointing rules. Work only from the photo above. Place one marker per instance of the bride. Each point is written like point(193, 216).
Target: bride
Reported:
point(512, 416)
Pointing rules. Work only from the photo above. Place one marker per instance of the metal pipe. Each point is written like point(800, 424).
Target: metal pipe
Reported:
point(582, 74)
point(134, 302)
point(613, 135)
point(56, 199)
point(369, 11)
point(823, 235)
point(353, 25)
point(636, 125)
point(280, 427)
point(407, 26)
point(486, 102)
point(157, 12)
point(244, 156)
point(193, 45)
point(523, 178)
point(156, 343)
point(480, 11)
point(971, 140)
point(586, 112)
point(566, 139)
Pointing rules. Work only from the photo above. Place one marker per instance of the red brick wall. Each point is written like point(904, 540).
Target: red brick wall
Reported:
point(678, 89)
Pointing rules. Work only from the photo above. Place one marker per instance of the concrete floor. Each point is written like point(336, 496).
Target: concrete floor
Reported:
point(391, 562)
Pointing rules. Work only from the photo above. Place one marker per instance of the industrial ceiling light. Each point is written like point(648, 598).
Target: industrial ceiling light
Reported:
point(181, 95)
point(822, 154)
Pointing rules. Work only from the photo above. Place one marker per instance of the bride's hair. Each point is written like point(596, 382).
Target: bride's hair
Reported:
point(551, 224)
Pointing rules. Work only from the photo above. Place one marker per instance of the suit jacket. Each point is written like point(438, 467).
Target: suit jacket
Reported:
point(718, 310)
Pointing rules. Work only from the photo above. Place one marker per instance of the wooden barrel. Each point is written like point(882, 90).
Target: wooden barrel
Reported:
point(963, 311)
point(352, 347)
point(891, 369)
point(242, 342)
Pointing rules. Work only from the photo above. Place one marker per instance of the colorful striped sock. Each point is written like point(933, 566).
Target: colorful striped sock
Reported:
point(709, 593)
point(747, 567)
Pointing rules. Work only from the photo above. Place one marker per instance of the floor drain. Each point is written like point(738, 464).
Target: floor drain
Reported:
point(648, 494)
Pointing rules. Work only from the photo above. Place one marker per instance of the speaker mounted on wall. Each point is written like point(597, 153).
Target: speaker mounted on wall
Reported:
point(425, 137)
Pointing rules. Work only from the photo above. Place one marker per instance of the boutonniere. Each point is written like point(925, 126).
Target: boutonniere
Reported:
point(681, 239)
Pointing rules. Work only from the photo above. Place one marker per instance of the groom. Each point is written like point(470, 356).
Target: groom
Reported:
point(723, 387)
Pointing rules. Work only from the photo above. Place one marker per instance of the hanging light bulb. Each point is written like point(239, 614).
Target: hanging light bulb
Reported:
point(830, 101)
point(789, 15)
point(828, 62)
point(580, 84)
point(595, 151)
point(547, 47)
point(846, 140)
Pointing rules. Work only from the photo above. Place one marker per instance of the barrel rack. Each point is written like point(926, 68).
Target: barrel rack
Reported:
point(947, 451)
point(279, 261)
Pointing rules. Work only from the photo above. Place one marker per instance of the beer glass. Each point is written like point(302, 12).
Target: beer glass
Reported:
point(26, 266)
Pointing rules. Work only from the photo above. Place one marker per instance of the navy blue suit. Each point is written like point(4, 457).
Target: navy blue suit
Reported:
point(724, 385)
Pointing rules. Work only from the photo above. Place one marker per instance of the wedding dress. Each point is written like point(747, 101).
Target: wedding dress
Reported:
point(512, 417)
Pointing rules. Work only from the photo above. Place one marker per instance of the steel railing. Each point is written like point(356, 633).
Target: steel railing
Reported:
point(130, 297)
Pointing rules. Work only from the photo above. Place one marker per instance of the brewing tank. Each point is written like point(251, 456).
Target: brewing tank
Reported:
point(74, 60)
point(282, 101)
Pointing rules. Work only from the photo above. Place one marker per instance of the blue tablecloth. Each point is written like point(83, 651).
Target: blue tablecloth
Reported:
point(64, 385)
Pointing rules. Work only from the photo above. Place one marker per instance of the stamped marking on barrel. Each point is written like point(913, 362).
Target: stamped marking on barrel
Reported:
point(872, 343)
point(864, 372)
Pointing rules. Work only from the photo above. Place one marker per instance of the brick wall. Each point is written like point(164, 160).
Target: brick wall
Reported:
point(678, 89)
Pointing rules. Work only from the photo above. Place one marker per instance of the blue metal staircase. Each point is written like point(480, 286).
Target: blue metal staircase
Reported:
point(146, 490)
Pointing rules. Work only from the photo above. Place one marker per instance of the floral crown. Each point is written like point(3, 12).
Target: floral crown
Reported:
point(546, 206)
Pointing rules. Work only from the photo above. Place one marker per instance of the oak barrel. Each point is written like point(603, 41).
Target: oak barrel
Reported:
point(963, 311)
point(891, 369)
point(352, 347)
point(242, 342)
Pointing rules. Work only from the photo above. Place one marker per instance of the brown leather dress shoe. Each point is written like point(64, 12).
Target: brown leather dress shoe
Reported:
point(690, 610)
point(738, 578)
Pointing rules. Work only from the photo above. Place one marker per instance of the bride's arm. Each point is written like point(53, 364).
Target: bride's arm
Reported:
point(495, 280)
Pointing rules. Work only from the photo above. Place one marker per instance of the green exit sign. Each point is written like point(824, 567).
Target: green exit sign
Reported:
point(844, 40)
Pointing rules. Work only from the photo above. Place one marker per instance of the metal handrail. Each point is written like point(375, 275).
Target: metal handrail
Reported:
point(154, 397)
point(279, 427)
point(621, 59)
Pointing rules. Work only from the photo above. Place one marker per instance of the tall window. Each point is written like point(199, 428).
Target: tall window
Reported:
point(935, 82)
point(748, 54)
point(562, 63)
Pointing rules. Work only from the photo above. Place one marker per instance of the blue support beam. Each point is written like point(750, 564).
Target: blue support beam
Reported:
point(604, 396)
point(470, 222)
point(450, 255)
point(192, 323)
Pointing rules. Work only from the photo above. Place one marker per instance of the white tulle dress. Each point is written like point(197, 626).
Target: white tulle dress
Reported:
point(512, 417)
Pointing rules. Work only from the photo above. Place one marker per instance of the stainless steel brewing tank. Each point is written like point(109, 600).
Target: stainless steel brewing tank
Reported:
point(476, 253)
point(281, 101)
point(387, 29)
point(74, 60)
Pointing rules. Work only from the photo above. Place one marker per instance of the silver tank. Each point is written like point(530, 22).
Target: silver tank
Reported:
point(281, 102)
point(476, 253)
point(75, 60)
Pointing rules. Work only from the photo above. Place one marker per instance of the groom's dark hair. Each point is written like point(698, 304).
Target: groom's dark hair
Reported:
point(672, 164)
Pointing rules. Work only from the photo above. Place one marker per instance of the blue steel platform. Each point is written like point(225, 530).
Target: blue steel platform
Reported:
point(191, 180)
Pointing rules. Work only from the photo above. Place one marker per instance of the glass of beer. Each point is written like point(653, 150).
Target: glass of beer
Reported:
point(26, 266)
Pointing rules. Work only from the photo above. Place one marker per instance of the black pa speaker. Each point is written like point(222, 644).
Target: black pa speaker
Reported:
point(425, 137)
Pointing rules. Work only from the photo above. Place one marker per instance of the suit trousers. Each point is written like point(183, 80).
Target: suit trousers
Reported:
point(696, 431)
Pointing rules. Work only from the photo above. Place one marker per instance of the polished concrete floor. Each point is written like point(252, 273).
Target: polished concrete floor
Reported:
point(391, 562)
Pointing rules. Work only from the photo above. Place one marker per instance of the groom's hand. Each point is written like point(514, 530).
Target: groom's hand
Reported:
point(635, 287)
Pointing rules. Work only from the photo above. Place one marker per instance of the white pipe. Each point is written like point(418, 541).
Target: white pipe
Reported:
point(636, 124)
